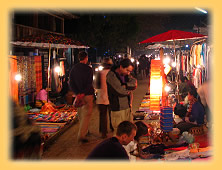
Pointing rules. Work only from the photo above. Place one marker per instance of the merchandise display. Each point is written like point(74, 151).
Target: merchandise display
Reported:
point(158, 143)
point(53, 119)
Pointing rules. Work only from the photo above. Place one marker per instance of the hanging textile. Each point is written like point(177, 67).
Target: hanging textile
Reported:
point(38, 72)
point(27, 87)
point(182, 63)
point(13, 84)
point(62, 66)
point(195, 55)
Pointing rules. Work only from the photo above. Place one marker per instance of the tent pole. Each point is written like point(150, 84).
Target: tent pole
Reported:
point(177, 81)
point(48, 89)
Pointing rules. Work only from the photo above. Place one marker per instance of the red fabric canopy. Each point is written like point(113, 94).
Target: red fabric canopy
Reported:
point(173, 35)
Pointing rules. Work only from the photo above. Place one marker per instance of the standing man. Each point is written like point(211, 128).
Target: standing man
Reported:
point(81, 83)
point(112, 148)
point(120, 85)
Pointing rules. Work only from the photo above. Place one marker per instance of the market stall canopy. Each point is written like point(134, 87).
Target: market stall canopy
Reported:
point(158, 45)
point(173, 35)
point(48, 41)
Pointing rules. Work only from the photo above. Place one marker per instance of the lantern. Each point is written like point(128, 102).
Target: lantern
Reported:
point(155, 85)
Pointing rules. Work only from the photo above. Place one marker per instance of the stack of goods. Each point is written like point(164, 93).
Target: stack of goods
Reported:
point(48, 113)
point(151, 115)
point(49, 129)
point(52, 119)
point(155, 85)
point(145, 104)
point(145, 112)
point(166, 118)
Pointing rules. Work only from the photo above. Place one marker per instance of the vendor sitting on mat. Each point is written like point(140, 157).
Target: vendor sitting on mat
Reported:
point(41, 97)
point(195, 113)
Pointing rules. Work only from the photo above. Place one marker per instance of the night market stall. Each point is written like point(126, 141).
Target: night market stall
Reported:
point(164, 140)
point(26, 80)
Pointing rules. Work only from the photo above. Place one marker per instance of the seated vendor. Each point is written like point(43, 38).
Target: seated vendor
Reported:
point(195, 113)
point(41, 98)
point(132, 147)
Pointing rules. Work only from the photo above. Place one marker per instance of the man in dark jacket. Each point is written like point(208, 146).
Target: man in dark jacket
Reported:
point(112, 148)
point(120, 85)
point(81, 80)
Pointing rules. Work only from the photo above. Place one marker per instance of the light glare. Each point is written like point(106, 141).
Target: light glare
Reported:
point(18, 77)
point(57, 69)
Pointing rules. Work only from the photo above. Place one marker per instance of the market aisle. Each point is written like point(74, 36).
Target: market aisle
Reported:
point(66, 146)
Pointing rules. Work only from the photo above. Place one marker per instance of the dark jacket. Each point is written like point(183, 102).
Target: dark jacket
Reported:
point(109, 149)
point(119, 92)
point(81, 79)
point(197, 114)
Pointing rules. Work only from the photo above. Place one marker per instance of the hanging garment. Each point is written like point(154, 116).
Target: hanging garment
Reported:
point(182, 65)
point(195, 55)
point(13, 83)
point(192, 56)
point(203, 54)
point(38, 71)
point(27, 87)
point(197, 78)
point(199, 49)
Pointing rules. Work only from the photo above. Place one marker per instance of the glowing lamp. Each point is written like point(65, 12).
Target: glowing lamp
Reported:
point(166, 60)
point(167, 88)
point(132, 60)
point(155, 85)
point(100, 68)
point(174, 64)
point(57, 69)
point(18, 77)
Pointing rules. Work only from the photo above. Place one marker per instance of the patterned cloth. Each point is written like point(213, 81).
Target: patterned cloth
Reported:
point(27, 87)
point(38, 72)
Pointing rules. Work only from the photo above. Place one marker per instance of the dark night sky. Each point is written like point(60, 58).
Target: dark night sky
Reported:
point(149, 24)
point(185, 20)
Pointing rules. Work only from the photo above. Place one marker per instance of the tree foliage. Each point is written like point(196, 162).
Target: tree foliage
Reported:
point(114, 32)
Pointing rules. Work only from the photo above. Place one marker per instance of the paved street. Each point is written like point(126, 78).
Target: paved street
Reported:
point(66, 146)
